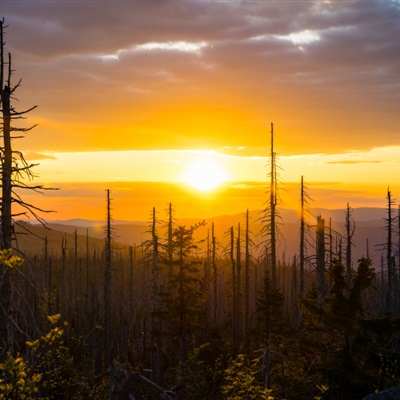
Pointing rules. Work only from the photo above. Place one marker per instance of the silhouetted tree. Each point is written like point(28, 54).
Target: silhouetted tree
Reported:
point(333, 327)
point(304, 202)
point(320, 247)
point(183, 299)
point(270, 215)
point(350, 228)
point(270, 301)
point(107, 310)
point(215, 272)
point(14, 169)
point(391, 273)
point(247, 283)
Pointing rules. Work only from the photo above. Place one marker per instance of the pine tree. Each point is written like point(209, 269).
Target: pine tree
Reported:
point(184, 301)
point(270, 301)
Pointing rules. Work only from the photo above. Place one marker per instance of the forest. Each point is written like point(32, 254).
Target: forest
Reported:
point(188, 316)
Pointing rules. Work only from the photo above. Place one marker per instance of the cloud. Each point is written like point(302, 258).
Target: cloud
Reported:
point(39, 156)
point(353, 162)
point(170, 74)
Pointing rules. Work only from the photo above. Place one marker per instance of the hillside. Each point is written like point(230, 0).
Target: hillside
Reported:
point(369, 224)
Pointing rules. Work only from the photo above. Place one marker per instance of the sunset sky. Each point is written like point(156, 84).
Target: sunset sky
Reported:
point(131, 91)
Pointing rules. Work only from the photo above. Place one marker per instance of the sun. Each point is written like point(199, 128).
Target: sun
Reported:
point(204, 174)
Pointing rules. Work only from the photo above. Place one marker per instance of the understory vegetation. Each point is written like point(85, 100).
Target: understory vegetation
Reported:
point(190, 323)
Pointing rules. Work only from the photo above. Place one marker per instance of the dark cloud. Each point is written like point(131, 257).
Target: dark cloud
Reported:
point(333, 90)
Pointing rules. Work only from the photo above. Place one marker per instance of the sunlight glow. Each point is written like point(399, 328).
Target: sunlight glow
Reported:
point(204, 175)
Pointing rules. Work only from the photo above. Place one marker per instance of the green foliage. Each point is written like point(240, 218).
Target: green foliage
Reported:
point(323, 389)
point(52, 359)
point(8, 260)
point(196, 374)
point(269, 310)
point(183, 299)
point(334, 334)
point(241, 382)
point(17, 380)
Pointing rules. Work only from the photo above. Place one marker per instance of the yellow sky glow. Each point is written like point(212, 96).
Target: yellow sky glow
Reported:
point(143, 93)
point(375, 166)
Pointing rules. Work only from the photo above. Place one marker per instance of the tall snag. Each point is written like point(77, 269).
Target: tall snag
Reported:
point(247, 284)
point(270, 216)
point(272, 204)
point(235, 322)
point(107, 285)
point(14, 169)
point(215, 272)
point(350, 228)
point(320, 247)
point(304, 213)
point(391, 306)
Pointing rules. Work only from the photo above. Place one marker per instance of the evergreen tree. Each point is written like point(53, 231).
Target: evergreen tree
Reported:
point(270, 314)
point(333, 328)
point(183, 299)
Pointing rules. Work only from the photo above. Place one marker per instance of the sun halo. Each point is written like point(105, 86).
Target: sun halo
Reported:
point(204, 175)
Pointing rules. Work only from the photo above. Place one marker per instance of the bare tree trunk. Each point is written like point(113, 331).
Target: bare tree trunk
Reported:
point(302, 238)
point(238, 283)
point(6, 199)
point(214, 266)
point(273, 207)
point(13, 168)
point(321, 285)
point(107, 286)
point(169, 239)
point(247, 285)
point(349, 235)
point(131, 309)
point(383, 290)
point(156, 359)
point(330, 243)
point(389, 257)
point(234, 286)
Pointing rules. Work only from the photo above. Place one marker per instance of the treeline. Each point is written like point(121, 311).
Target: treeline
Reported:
point(193, 324)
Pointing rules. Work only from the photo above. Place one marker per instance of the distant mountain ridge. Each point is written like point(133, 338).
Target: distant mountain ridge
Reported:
point(360, 214)
point(369, 223)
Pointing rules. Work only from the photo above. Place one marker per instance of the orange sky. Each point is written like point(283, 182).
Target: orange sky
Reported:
point(134, 91)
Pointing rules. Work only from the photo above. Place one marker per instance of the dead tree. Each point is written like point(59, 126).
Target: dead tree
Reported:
point(170, 227)
point(320, 241)
point(304, 214)
point(247, 284)
point(156, 356)
point(215, 271)
point(107, 284)
point(235, 334)
point(14, 171)
point(269, 224)
point(350, 228)
point(272, 205)
point(238, 282)
point(389, 255)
